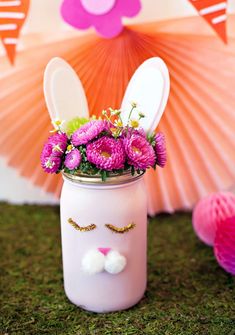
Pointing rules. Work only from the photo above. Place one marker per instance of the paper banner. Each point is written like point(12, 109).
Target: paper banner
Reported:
point(214, 12)
point(12, 16)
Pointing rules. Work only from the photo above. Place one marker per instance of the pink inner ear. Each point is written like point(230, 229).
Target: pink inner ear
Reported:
point(104, 250)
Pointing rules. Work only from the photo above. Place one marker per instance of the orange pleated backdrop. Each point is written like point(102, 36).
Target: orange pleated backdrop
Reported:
point(198, 122)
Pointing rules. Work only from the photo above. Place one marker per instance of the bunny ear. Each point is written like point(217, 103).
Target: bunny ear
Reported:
point(64, 93)
point(149, 88)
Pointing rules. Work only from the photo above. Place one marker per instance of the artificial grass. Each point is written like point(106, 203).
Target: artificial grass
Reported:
point(187, 291)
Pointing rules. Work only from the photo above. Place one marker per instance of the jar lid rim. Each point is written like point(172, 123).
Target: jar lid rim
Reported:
point(112, 179)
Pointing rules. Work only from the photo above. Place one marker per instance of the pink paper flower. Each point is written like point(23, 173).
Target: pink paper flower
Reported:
point(73, 159)
point(160, 149)
point(139, 152)
point(104, 15)
point(106, 153)
point(88, 132)
point(224, 248)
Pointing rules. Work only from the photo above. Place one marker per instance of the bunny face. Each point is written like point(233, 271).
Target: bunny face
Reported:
point(105, 263)
point(103, 243)
point(103, 258)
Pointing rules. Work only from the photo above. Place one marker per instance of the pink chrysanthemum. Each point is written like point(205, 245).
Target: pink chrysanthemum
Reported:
point(46, 151)
point(106, 153)
point(58, 142)
point(139, 152)
point(73, 159)
point(127, 132)
point(88, 132)
point(160, 149)
point(52, 151)
point(50, 164)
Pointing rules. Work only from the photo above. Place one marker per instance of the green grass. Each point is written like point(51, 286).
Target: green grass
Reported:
point(187, 291)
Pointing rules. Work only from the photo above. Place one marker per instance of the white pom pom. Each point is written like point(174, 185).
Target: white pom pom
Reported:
point(93, 262)
point(114, 262)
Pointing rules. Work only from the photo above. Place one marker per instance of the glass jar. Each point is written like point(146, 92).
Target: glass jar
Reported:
point(104, 241)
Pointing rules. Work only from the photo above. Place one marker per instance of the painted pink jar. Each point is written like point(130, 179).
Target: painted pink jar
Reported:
point(104, 238)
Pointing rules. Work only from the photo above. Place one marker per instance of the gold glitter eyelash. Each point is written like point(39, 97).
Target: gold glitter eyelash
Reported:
point(120, 230)
point(77, 227)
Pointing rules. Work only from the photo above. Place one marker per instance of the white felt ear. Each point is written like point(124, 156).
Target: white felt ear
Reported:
point(149, 88)
point(64, 93)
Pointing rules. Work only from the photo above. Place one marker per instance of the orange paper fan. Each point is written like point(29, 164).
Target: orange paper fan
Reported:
point(198, 122)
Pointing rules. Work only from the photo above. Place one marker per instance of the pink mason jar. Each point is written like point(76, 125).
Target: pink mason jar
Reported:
point(104, 239)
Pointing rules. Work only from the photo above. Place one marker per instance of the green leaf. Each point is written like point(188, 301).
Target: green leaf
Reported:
point(103, 174)
point(132, 170)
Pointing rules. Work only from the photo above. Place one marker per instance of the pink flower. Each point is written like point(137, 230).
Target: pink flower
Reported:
point(139, 152)
point(88, 132)
point(47, 151)
point(104, 15)
point(128, 131)
point(52, 151)
point(50, 164)
point(73, 159)
point(106, 153)
point(160, 149)
point(58, 143)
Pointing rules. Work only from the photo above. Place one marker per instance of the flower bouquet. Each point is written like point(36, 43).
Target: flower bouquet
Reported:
point(104, 146)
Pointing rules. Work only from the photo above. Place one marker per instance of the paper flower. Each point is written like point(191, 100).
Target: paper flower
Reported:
point(73, 159)
point(104, 15)
point(224, 247)
point(139, 152)
point(106, 153)
point(88, 132)
point(211, 210)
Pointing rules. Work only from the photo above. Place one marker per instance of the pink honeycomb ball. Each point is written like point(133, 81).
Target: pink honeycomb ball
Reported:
point(224, 246)
point(209, 212)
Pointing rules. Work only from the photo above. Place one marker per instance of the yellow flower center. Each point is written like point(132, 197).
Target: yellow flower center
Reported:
point(105, 154)
point(136, 150)
point(69, 147)
point(134, 123)
point(57, 122)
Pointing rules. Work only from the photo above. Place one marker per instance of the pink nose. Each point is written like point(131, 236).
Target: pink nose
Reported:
point(104, 250)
